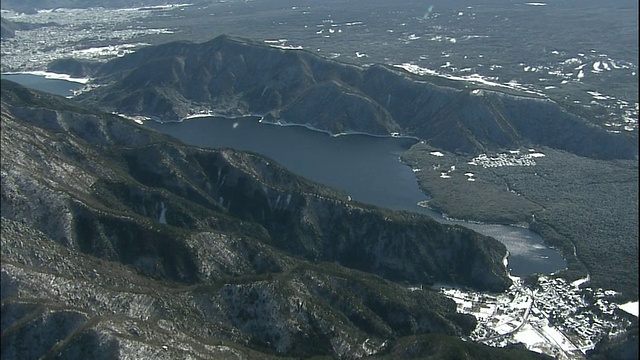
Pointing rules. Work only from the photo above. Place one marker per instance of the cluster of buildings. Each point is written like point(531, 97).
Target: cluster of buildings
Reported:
point(553, 317)
point(92, 34)
point(513, 158)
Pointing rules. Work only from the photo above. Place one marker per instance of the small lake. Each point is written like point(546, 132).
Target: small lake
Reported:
point(366, 167)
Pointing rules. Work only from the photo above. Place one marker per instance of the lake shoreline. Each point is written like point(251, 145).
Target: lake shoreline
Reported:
point(366, 166)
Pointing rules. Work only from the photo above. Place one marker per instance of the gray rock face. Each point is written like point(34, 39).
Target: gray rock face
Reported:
point(234, 76)
point(118, 242)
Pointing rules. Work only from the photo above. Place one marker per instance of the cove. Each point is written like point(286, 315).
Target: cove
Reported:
point(366, 167)
point(39, 82)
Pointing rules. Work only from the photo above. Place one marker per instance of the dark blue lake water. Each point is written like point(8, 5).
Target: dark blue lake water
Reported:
point(366, 167)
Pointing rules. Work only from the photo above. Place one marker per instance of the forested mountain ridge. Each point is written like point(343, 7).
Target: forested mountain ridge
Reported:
point(120, 241)
point(236, 76)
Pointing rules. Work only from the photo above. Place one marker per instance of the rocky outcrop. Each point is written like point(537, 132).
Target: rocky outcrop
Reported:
point(236, 76)
point(120, 242)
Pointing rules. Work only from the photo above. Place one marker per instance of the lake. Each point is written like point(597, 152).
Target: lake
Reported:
point(366, 167)
point(39, 82)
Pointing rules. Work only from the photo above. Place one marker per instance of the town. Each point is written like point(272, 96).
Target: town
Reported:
point(95, 34)
point(553, 317)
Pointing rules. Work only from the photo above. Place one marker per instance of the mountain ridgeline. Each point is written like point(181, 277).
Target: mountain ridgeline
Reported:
point(118, 241)
point(236, 76)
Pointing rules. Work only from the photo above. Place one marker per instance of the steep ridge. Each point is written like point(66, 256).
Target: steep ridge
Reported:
point(116, 236)
point(237, 76)
point(301, 217)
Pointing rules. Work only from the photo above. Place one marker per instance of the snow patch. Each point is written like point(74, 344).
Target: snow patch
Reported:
point(529, 337)
point(51, 75)
point(630, 307)
point(579, 282)
point(557, 337)
point(473, 78)
point(138, 119)
point(596, 66)
point(163, 211)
